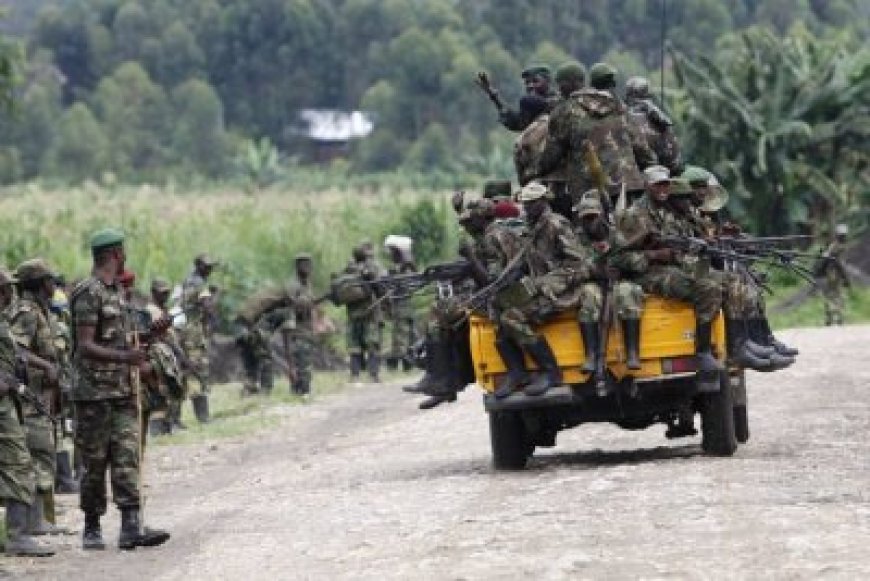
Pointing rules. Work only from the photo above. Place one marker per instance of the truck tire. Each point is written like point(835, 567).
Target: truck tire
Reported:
point(717, 420)
point(510, 444)
point(741, 423)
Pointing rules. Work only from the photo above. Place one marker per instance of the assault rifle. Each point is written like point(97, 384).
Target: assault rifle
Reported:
point(403, 285)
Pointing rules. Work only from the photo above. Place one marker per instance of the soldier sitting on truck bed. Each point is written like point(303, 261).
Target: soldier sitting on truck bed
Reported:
point(551, 268)
point(670, 273)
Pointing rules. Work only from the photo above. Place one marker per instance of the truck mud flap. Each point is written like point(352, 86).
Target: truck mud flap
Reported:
point(562, 395)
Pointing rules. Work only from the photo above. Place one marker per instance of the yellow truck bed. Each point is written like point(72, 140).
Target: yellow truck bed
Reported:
point(667, 336)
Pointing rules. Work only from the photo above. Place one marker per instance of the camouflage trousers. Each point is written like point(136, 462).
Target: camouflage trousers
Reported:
point(17, 478)
point(627, 299)
point(703, 292)
point(257, 359)
point(107, 436)
point(517, 322)
point(741, 298)
point(302, 349)
point(835, 303)
point(364, 336)
point(195, 346)
point(40, 443)
point(403, 334)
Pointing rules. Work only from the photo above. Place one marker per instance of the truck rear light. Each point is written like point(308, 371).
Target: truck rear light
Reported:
point(679, 365)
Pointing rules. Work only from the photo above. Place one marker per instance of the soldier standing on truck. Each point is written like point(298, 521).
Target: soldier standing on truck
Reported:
point(539, 99)
point(831, 277)
point(669, 273)
point(656, 127)
point(550, 268)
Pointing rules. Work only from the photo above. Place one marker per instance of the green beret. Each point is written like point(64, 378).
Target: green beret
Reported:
point(106, 237)
point(497, 189)
point(33, 269)
point(695, 175)
point(533, 70)
point(602, 76)
point(571, 71)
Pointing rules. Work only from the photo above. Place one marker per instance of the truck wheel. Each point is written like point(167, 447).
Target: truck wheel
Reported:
point(717, 420)
point(510, 444)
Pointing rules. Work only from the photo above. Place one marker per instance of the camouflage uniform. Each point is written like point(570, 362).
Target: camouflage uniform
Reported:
point(30, 328)
point(627, 294)
point(402, 324)
point(597, 119)
point(832, 278)
point(653, 124)
point(107, 433)
point(17, 474)
point(689, 278)
point(556, 265)
point(194, 335)
point(365, 321)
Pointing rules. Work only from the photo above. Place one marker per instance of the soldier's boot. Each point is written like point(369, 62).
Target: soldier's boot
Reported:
point(631, 336)
point(759, 329)
point(433, 377)
point(159, 427)
point(550, 375)
point(764, 335)
point(356, 363)
point(516, 376)
point(374, 367)
point(134, 535)
point(591, 340)
point(756, 340)
point(738, 353)
point(64, 482)
point(18, 542)
point(709, 367)
point(200, 407)
point(441, 389)
point(37, 526)
point(92, 535)
point(175, 417)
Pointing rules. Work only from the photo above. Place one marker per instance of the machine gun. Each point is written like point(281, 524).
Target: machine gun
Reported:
point(444, 274)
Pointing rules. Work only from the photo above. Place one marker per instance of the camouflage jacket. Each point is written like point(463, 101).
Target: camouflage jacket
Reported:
point(99, 305)
point(369, 309)
point(616, 254)
point(519, 120)
point(597, 119)
point(31, 329)
point(554, 253)
point(657, 129)
point(644, 221)
point(401, 307)
point(8, 381)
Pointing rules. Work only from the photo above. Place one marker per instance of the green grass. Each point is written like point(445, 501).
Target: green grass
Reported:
point(812, 314)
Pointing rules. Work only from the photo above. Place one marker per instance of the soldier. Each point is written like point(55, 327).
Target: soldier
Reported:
point(653, 124)
point(539, 99)
point(198, 304)
point(614, 262)
point(158, 310)
point(17, 475)
point(669, 273)
point(555, 264)
point(298, 330)
point(588, 133)
point(258, 318)
point(400, 309)
point(364, 317)
point(32, 331)
point(832, 278)
point(107, 429)
point(65, 480)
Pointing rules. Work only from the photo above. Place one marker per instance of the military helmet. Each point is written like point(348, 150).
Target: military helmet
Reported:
point(680, 187)
point(715, 197)
point(33, 270)
point(571, 71)
point(655, 174)
point(602, 76)
point(534, 191)
point(160, 285)
point(536, 70)
point(841, 230)
point(497, 189)
point(696, 175)
point(589, 204)
point(637, 87)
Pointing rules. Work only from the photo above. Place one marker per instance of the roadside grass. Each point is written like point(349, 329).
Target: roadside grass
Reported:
point(233, 415)
point(812, 312)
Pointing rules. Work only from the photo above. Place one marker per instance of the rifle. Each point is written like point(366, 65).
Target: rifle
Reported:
point(483, 82)
point(403, 285)
point(24, 394)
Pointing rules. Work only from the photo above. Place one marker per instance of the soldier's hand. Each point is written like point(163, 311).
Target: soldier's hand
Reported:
point(133, 357)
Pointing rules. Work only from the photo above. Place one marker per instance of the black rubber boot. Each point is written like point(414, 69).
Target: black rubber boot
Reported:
point(133, 535)
point(427, 361)
point(550, 375)
point(517, 376)
point(757, 340)
point(759, 328)
point(356, 363)
point(64, 482)
point(765, 333)
point(37, 526)
point(631, 335)
point(374, 367)
point(92, 535)
point(200, 407)
point(738, 354)
point(591, 345)
point(441, 390)
point(18, 542)
point(709, 367)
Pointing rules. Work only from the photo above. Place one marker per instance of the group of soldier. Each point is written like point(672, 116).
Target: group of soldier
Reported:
point(86, 369)
point(604, 192)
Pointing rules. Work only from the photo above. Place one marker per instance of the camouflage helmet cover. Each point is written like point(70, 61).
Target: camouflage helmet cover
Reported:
point(637, 87)
point(602, 76)
point(589, 204)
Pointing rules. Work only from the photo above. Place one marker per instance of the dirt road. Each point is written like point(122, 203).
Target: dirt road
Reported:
point(364, 486)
